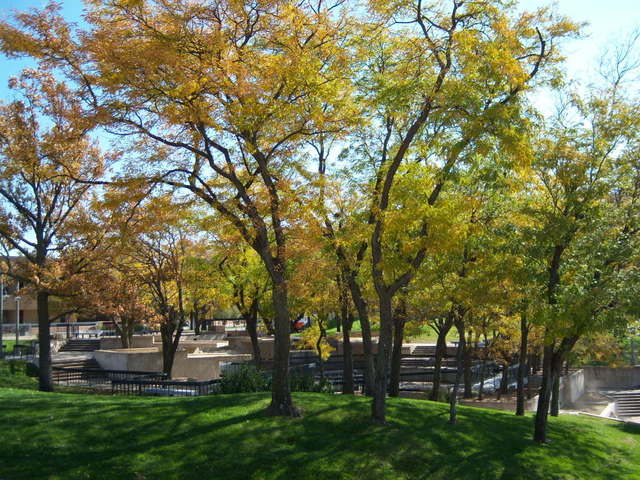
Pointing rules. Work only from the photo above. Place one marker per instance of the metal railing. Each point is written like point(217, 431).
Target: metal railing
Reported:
point(128, 382)
point(97, 377)
point(164, 388)
point(21, 351)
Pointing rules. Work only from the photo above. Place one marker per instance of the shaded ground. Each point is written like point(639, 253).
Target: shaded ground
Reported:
point(59, 436)
point(591, 402)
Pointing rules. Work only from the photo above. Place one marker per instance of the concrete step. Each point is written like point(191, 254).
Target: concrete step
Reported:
point(63, 375)
point(627, 403)
point(80, 346)
point(87, 363)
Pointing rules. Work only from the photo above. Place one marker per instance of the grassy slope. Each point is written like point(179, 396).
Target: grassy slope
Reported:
point(13, 374)
point(229, 437)
point(422, 334)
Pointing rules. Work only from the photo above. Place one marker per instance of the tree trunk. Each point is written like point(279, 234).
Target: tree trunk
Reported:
point(382, 359)
point(251, 323)
point(346, 321)
point(399, 321)
point(529, 392)
point(321, 337)
point(125, 339)
point(44, 343)
point(522, 366)
point(197, 321)
point(168, 351)
point(544, 397)
point(555, 394)
point(125, 330)
point(281, 401)
point(551, 369)
point(441, 352)
point(347, 357)
point(467, 363)
point(167, 356)
point(504, 381)
point(268, 325)
point(367, 343)
point(453, 400)
point(170, 332)
point(252, 330)
point(481, 387)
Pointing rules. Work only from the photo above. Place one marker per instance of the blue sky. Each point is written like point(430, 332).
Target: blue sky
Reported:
point(607, 20)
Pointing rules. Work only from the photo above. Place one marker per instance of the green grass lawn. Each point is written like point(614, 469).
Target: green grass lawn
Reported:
point(60, 436)
point(354, 329)
point(422, 334)
point(8, 344)
point(13, 374)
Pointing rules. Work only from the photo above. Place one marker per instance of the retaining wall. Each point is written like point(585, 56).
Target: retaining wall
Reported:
point(604, 378)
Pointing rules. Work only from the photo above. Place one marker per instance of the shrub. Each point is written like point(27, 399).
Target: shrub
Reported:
point(244, 378)
point(18, 368)
point(305, 382)
point(32, 370)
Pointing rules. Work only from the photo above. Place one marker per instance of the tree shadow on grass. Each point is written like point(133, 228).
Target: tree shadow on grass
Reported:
point(103, 433)
point(231, 437)
point(498, 445)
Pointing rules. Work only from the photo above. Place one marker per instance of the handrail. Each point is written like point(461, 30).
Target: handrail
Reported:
point(171, 388)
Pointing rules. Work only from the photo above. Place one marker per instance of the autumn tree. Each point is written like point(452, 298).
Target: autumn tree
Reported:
point(247, 284)
point(42, 138)
point(115, 297)
point(584, 232)
point(202, 279)
point(438, 80)
point(340, 216)
point(156, 244)
point(230, 89)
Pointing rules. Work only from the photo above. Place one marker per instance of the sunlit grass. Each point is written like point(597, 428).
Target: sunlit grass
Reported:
point(230, 437)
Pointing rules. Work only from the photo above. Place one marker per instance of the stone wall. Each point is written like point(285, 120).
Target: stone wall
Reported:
point(139, 341)
point(572, 387)
point(185, 365)
point(603, 378)
point(506, 404)
point(138, 359)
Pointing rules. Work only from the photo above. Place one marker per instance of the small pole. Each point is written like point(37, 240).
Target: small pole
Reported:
point(17, 299)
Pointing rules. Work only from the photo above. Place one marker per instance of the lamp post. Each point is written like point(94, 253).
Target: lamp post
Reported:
point(17, 299)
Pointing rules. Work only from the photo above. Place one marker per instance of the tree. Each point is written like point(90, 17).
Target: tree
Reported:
point(433, 100)
point(113, 298)
point(157, 242)
point(42, 138)
point(203, 293)
point(231, 90)
point(584, 237)
point(249, 284)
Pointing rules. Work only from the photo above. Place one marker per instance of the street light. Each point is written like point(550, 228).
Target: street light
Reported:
point(17, 299)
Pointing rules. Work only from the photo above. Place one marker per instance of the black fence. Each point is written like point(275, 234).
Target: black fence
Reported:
point(21, 351)
point(164, 388)
point(97, 377)
point(127, 382)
